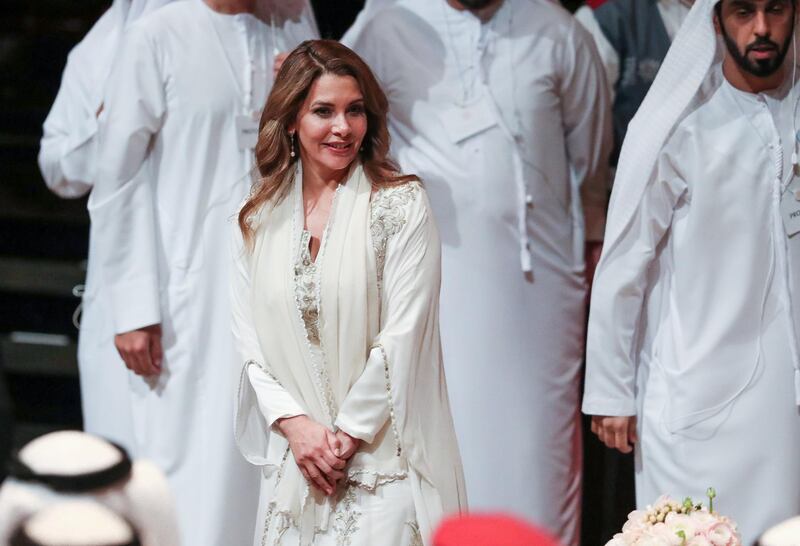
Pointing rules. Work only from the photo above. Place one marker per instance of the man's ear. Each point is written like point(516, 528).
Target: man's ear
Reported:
point(717, 23)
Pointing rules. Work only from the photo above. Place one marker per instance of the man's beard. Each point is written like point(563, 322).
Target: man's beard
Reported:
point(761, 68)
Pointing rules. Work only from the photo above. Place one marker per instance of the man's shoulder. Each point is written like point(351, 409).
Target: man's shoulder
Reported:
point(99, 37)
point(711, 102)
point(542, 16)
point(706, 115)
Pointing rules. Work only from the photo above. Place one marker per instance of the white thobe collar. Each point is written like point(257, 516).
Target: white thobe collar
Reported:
point(771, 98)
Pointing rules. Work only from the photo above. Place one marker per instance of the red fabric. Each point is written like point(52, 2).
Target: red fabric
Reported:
point(490, 530)
point(594, 4)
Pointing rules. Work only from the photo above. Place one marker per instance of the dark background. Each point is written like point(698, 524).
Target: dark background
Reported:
point(44, 243)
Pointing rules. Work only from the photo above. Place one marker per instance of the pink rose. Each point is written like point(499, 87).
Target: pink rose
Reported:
point(721, 534)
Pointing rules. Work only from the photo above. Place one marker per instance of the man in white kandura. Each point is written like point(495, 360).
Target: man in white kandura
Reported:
point(502, 109)
point(692, 352)
point(181, 110)
point(68, 159)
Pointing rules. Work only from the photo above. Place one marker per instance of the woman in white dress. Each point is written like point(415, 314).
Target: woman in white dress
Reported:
point(342, 397)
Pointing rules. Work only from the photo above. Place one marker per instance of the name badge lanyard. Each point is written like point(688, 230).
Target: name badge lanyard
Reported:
point(781, 251)
point(274, 36)
point(524, 197)
point(245, 87)
point(790, 210)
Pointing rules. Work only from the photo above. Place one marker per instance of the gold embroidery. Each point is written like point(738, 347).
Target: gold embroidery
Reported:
point(313, 341)
point(271, 508)
point(346, 519)
point(388, 216)
point(305, 278)
point(416, 535)
point(387, 375)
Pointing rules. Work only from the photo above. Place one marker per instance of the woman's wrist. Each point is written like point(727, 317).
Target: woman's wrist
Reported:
point(285, 424)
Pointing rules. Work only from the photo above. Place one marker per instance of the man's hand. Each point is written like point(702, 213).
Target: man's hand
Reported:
point(278, 63)
point(311, 443)
point(141, 350)
point(616, 432)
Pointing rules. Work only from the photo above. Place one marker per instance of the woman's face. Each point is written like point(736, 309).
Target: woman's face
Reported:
point(331, 124)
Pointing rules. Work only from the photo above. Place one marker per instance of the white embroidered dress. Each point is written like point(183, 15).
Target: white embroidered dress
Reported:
point(385, 499)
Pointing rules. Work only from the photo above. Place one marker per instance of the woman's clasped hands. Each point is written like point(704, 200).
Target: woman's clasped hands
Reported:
point(321, 454)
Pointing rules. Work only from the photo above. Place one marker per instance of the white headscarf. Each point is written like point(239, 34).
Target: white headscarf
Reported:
point(76, 523)
point(685, 68)
point(71, 465)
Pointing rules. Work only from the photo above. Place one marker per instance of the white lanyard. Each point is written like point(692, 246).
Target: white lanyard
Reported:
point(467, 87)
point(780, 252)
point(245, 88)
point(273, 35)
point(524, 198)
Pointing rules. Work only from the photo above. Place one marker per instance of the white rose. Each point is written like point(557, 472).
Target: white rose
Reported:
point(664, 535)
point(635, 526)
point(618, 540)
point(704, 520)
point(652, 540)
point(631, 536)
point(698, 540)
point(681, 523)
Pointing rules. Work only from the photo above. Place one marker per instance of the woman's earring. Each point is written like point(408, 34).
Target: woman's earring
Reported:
point(291, 143)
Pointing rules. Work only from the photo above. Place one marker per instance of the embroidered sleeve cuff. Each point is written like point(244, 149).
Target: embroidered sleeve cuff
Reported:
point(367, 434)
point(274, 401)
point(366, 408)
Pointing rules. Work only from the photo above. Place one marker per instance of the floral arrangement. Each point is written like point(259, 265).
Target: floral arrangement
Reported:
point(670, 523)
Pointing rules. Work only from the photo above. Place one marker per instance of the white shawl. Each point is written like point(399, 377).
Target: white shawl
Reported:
point(397, 329)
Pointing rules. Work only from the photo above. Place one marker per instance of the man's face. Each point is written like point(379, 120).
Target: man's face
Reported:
point(757, 33)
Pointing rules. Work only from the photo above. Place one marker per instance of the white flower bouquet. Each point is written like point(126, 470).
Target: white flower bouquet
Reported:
point(670, 523)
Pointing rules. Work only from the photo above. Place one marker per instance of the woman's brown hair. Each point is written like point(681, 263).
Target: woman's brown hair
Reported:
point(300, 70)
